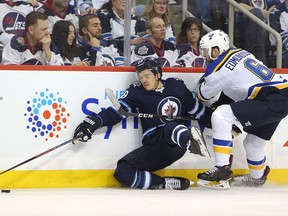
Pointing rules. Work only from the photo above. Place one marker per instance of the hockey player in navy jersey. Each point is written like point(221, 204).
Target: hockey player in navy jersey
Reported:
point(156, 46)
point(164, 140)
point(261, 102)
point(34, 46)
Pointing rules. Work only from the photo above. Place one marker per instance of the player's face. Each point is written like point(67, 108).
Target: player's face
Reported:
point(39, 30)
point(71, 35)
point(193, 34)
point(214, 54)
point(148, 80)
point(95, 28)
point(160, 6)
point(158, 29)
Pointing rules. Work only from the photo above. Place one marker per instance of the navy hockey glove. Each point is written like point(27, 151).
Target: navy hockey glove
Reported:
point(85, 130)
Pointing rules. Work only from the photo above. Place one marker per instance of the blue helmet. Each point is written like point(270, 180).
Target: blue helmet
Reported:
point(148, 63)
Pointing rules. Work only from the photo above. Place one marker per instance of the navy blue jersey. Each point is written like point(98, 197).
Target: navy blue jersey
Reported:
point(173, 99)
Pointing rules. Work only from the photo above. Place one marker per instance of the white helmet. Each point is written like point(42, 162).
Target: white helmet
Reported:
point(216, 38)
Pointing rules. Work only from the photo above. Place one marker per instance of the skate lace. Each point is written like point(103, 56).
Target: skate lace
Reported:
point(213, 170)
point(172, 183)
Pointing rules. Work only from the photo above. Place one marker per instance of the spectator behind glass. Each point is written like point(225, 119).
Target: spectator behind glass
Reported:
point(89, 6)
point(160, 8)
point(64, 37)
point(34, 46)
point(188, 43)
point(249, 35)
point(98, 52)
point(279, 21)
point(157, 47)
point(59, 10)
point(12, 18)
point(111, 16)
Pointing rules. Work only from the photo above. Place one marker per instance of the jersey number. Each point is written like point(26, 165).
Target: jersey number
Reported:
point(261, 71)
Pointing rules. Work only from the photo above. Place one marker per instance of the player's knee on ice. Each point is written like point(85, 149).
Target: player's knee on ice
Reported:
point(125, 173)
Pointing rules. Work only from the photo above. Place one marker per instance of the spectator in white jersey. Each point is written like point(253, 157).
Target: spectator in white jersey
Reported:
point(111, 16)
point(164, 51)
point(34, 46)
point(279, 21)
point(188, 43)
point(98, 52)
point(259, 101)
point(64, 37)
point(160, 8)
point(89, 6)
point(12, 18)
point(59, 10)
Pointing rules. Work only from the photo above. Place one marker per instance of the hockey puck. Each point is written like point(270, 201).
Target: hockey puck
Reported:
point(5, 191)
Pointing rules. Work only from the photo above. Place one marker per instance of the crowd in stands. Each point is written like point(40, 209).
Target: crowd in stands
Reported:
point(91, 32)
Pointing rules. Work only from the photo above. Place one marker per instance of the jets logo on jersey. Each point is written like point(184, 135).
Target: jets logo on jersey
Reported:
point(169, 106)
point(13, 23)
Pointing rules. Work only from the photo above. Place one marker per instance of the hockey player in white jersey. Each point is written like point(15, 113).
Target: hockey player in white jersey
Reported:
point(261, 102)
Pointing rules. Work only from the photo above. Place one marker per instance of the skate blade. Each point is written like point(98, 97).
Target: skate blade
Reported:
point(223, 185)
point(198, 136)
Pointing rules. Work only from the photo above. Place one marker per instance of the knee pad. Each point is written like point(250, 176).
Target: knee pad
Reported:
point(124, 173)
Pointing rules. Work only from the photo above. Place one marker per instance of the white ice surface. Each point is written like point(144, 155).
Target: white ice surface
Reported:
point(267, 200)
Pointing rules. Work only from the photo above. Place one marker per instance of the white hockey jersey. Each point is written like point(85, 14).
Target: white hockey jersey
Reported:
point(83, 4)
point(68, 14)
point(166, 55)
point(18, 52)
point(189, 57)
point(12, 18)
point(239, 75)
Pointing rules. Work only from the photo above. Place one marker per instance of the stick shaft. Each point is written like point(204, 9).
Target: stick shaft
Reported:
point(39, 155)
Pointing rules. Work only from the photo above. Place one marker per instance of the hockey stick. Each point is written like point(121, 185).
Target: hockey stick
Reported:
point(117, 105)
point(41, 154)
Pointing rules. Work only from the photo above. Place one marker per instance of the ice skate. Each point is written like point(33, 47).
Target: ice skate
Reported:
point(176, 183)
point(249, 181)
point(197, 144)
point(217, 177)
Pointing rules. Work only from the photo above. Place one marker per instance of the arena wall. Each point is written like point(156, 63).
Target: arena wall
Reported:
point(41, 106)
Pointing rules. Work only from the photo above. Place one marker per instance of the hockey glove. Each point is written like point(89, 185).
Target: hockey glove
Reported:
point(85, 130)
